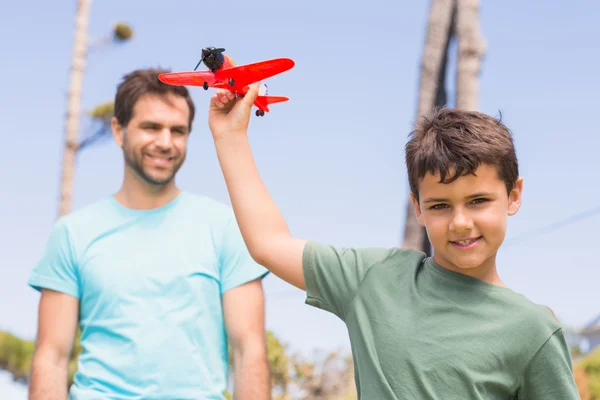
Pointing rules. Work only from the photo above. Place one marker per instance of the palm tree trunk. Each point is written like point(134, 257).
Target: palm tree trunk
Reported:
point(431, 93)
point(471, 49)
point(74, 106)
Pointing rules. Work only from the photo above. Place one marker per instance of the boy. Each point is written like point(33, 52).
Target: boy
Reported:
point(421, 328)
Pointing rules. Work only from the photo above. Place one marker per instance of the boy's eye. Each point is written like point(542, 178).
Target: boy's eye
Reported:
point(438, 206)
point(479, 201)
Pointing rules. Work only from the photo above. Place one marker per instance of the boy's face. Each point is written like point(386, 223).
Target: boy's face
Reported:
point(466, 219)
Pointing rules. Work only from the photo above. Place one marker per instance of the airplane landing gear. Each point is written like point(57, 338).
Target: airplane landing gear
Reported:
point(231, 82)
point(260, 113)
point(205, 85)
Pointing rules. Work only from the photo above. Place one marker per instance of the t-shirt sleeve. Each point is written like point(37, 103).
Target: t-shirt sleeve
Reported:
point(237, 266)
point(57, 268)
point(334, 275)
point(549, 375)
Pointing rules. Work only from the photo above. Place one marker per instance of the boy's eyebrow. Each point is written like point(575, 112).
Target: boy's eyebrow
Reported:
point(442, 199)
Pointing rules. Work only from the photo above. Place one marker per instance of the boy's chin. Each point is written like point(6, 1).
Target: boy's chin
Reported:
point(466, 262)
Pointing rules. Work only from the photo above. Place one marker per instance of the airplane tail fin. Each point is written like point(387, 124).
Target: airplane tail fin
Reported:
point(262, 102)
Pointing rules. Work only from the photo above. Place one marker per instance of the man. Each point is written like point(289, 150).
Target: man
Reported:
point(441, 327)
point(156, 277)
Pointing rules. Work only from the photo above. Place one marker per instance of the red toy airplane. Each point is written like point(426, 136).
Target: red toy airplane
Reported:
point(223, 73)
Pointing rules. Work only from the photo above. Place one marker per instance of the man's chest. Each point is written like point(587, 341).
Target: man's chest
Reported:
point(150, 270)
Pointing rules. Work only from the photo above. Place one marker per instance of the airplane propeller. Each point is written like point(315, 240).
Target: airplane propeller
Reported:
point(208, 51)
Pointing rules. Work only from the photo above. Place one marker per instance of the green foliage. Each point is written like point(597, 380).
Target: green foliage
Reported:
point(74, 356)
point(330, 378)
point(591, 365)
point(103, 112)
point(122, 32)
point(325, 378)
point(16, 355)
point(279, 362)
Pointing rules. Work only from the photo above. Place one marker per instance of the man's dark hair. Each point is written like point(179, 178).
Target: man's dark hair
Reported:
point(141, 82)
point(455, 142)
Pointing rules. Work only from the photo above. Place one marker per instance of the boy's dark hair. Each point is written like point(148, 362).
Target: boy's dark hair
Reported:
point(145, 81)
point(458, 141)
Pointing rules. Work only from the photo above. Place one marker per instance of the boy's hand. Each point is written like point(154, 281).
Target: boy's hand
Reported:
point(229, 116)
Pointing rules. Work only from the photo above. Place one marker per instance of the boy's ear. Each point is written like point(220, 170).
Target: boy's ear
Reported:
point(514, 197)
point(417, 209)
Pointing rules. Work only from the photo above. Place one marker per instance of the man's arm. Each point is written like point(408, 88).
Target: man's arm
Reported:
point(57, 325)
point(243, 309)
point(262, 225)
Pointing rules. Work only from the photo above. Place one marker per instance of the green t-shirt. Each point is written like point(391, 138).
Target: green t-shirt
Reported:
point(419, 331)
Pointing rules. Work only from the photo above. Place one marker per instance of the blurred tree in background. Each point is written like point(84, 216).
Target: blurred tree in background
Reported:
point(120, 33)
point(587, 375)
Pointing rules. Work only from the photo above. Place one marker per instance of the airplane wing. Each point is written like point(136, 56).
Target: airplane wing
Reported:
point(196, 78)
point(247, 74)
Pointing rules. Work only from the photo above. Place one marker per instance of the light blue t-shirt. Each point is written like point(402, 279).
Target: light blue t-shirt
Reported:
point(149, 284)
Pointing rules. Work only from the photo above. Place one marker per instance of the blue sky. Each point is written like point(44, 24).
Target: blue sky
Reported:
point(332, 157)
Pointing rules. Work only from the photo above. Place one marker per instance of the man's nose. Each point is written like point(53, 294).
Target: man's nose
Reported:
point(164, 139)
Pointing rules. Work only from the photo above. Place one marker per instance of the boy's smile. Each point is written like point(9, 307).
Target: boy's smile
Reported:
point(466, 219)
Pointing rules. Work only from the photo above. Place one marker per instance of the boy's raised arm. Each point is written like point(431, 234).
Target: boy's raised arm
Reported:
point(262, 225)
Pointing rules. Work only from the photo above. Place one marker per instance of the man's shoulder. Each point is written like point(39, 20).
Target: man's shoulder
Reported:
point(85, 215)
point(207, 206)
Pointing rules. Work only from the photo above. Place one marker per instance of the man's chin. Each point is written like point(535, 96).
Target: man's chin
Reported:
point(158, 179)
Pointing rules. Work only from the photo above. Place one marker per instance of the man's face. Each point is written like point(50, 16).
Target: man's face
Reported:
point(154, 142)
point(466, 219)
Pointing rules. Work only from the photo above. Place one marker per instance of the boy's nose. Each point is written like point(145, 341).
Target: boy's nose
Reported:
point(460, 222)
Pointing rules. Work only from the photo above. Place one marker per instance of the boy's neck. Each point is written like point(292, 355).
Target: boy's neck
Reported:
point(485, 272)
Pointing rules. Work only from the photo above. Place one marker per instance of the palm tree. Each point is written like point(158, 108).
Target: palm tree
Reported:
point(432, 93)
point(121, 33)
point(447, 18)
point(74, 104)
point(471, 49)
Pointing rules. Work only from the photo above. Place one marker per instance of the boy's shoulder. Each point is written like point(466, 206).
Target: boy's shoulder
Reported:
point(525, 315)
point(511, 308)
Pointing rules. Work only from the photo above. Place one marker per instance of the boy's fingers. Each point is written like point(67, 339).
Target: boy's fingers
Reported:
point(251, 95)
point(221, 92)
point(216, 101)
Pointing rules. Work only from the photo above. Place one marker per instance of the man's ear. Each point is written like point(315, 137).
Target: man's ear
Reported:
point(117, 130)
point(515, 196)
point(418, 213)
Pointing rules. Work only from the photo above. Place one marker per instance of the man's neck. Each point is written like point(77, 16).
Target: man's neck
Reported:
point(144, 196)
